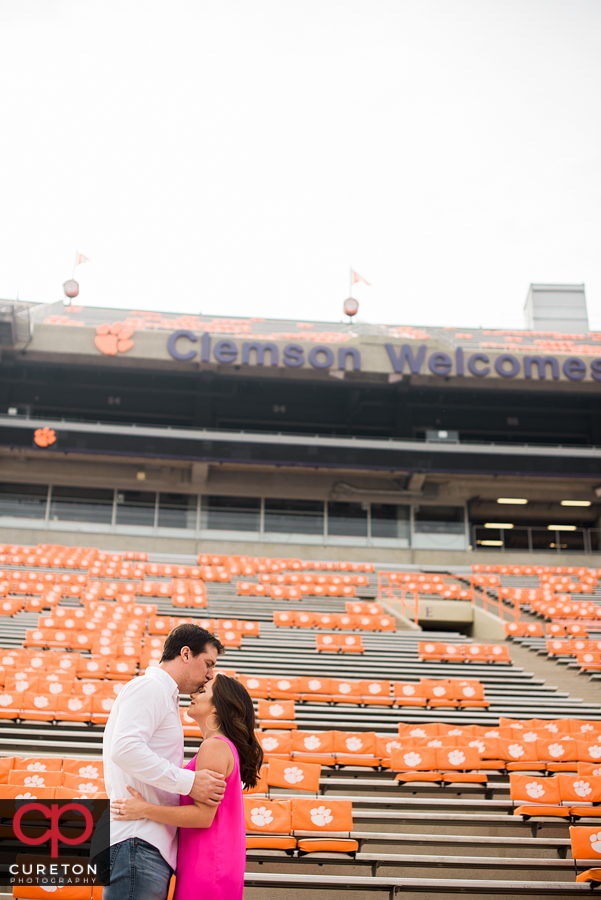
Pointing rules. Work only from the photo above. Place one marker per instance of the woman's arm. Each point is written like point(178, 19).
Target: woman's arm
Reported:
point(213, 754)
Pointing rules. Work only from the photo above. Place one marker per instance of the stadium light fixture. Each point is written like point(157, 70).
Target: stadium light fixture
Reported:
point(513, 501)
point(561, 527)
point(350, 307)
point(491, 543)
point(575, 502)
point(498, 525)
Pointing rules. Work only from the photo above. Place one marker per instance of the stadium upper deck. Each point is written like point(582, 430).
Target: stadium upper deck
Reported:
point(399, 440)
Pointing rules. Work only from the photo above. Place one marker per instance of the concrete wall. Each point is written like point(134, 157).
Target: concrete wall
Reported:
point(487, 627)
point(154, 544)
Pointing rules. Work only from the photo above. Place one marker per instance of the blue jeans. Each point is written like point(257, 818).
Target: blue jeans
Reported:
point(138, 872)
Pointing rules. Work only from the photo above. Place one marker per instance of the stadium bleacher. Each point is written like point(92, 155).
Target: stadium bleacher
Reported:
point(409, 766)
point(559, 611)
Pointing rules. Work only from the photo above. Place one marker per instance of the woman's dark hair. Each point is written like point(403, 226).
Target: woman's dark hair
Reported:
point(236, 715)
point(192, 636)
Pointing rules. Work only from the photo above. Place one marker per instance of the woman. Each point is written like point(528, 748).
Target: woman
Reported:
point(212, 840)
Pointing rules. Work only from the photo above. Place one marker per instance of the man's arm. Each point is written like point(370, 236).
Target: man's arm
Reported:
point(140, 714)
point(214, 754)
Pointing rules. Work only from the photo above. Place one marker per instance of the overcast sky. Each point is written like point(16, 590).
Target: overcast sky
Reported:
point(235, 157)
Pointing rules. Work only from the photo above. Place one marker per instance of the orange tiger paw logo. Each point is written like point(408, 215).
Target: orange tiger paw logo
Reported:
point(44, 437)
point(114, 339)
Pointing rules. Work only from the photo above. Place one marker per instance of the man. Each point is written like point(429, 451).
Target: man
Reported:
point(144, 747)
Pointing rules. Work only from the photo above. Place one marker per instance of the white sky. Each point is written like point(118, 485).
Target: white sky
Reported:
point(234, 157)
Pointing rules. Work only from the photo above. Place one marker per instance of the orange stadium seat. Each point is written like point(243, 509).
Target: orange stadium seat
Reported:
point(277, 713)
point(355, 748)
point(257, 686)
point(285, 688)
point(376, 693)
point(409, 694)
point(345, 691)
point(315, 747)
point(586, 846)
point(276, 743)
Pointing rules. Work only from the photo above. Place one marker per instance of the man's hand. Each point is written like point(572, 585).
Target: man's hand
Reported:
point(208, 787)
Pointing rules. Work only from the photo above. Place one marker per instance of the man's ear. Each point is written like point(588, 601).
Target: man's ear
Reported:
point(185, 653)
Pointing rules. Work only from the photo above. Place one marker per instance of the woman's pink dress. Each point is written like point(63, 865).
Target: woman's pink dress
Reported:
point(211, 861)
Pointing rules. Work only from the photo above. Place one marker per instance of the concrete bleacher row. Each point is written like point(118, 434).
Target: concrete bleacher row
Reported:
point(405, 831)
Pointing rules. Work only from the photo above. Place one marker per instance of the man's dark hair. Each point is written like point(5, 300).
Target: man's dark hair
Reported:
point(192, 636)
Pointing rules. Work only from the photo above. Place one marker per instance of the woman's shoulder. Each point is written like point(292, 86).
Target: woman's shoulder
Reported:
point(215, 753)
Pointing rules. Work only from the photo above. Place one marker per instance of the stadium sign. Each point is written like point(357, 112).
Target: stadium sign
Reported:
point(184, 346)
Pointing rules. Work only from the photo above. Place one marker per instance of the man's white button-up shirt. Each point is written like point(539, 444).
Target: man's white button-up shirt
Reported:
point(144, 747)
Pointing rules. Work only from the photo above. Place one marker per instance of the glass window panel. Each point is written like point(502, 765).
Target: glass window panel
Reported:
point(231, 513)
point(439, 519)
point(177, 510)
point(27, 501)
point(81, 505)
point(294, 516)
point(543, 539)
point(516, 538)
point(568, 541)
point(389, 520)
point(347, 519)
point(135, 508)
point(488, 538)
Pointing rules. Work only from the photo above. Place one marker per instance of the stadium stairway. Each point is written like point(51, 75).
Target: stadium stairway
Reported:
point(414, 839)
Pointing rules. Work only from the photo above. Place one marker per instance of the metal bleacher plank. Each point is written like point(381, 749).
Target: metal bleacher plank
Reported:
point(476, 887)
point(376, 860)
point(559, 844)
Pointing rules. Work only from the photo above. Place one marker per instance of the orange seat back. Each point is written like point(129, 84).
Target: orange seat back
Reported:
point(35, 779)
point(313, 741)
point(350, 643)
point(533, 789)
point(84, 768)
point(422, 759)
point(285, 685)
point(409, 690)
point(29, 792)
point(275, 742)
point(322, 815)
point(438, 690)
point(375, 689)
point(363, 742)
point(576, 789)
point(586, 842)
point(343, 688)
point(301, 776)
point(557, 749)
point(315, 685)
point(257, 685)
point(269, 816)
point(460, 757)
point(83, 783)
point(276, 709)
point(469, 690)
point(39, 763)
point(589, 752)
point(517, 751)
